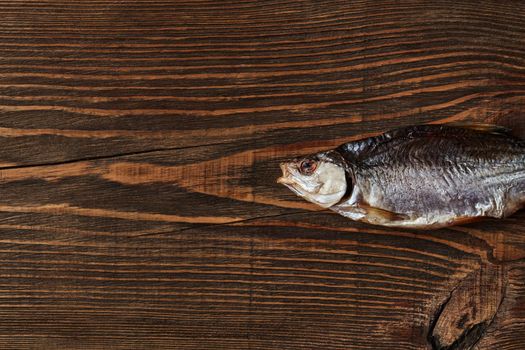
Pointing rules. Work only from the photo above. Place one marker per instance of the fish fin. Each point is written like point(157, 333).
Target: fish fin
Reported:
point(389, 216)
point(488, 128)
point(464, 220)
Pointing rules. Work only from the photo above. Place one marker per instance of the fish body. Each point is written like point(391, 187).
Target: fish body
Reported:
point(425, 176)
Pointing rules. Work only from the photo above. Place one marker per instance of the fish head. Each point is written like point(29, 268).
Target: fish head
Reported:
point(319, 178)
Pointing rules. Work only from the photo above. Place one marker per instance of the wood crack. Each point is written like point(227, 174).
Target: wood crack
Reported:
point(110, 156)
point(431, 339)
point(222, 224)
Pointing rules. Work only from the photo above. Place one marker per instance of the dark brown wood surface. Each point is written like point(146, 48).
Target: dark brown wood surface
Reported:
point(139, 147)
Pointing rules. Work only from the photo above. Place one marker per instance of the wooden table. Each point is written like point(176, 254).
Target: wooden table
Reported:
point(139, 147)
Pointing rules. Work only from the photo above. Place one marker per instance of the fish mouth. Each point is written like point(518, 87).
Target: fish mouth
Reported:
point(285, 179)
point(290, 185)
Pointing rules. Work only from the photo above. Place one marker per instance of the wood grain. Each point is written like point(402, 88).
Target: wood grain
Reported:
point(139, 147)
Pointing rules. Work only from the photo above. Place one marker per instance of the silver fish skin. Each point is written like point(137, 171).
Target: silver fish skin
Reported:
point(426, 176)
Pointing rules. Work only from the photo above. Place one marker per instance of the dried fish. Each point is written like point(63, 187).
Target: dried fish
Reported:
point(425, 176)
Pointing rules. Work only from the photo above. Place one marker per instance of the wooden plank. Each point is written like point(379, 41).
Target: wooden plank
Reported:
point(139, 147)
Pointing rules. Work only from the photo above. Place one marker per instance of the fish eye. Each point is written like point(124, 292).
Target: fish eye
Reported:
point(308, 166)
